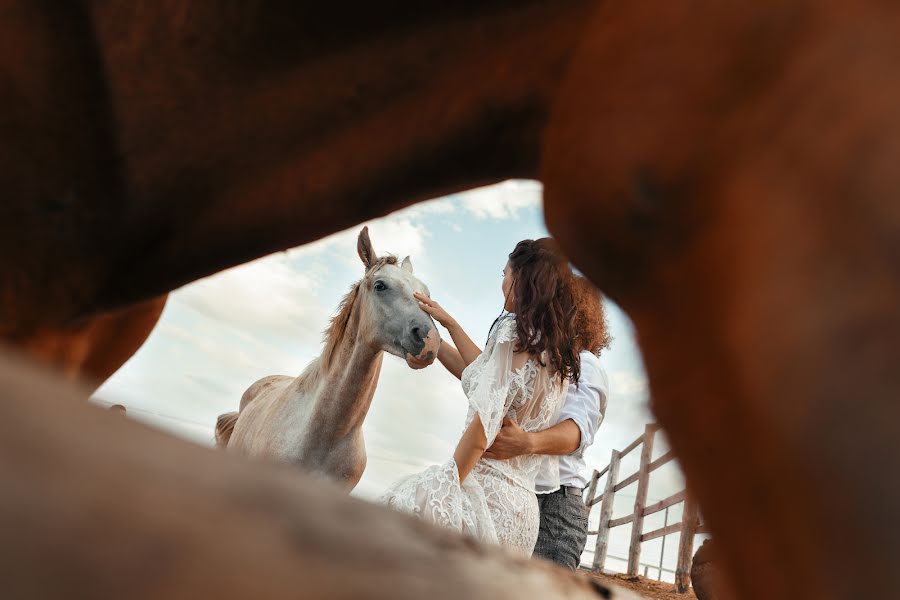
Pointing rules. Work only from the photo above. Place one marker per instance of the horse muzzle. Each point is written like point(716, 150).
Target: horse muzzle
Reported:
point(427, 347)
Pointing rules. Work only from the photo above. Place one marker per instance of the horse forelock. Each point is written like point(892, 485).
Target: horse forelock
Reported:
point(381, 261)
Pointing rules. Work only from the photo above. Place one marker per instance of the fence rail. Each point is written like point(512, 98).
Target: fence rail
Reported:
point(688, 526)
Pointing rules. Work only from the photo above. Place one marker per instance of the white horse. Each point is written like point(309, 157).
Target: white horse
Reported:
point(315, 420)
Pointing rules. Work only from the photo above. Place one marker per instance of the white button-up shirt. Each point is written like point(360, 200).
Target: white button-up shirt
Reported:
point(585, 405)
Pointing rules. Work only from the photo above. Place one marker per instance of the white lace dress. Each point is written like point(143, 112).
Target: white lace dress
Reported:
point(496, 503)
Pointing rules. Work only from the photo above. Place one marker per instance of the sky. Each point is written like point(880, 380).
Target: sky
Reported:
point(220, 334)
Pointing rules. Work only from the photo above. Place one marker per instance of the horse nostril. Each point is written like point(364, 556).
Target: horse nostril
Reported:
point(417, 333)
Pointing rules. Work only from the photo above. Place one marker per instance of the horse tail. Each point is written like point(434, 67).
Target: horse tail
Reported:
point(224, 428)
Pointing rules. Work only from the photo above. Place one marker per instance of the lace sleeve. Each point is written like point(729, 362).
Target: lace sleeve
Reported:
point(488, 389)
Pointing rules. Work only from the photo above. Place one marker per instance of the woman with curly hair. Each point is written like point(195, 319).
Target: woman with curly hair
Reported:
point(564, 517)
point(522, 374)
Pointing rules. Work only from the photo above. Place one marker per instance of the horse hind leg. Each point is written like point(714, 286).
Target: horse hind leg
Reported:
point(224, 428)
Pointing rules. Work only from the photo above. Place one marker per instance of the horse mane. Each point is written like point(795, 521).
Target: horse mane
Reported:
point(337, 327)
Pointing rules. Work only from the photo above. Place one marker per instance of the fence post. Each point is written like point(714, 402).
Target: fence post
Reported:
point(662, 548)
point(592, 489)
point(640, 500)
point(689, 523)
point(606, 508)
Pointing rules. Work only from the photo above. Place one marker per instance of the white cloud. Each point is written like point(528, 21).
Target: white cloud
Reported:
point(503, 200)
point(627, 383)
point(265, 297)
point(440, 206)
point(398, 234)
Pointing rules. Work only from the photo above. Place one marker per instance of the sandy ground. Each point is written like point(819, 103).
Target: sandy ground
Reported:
point(648, 588)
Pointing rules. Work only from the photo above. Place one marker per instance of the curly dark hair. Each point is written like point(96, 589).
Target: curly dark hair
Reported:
point(544, 298)
point(590, 319)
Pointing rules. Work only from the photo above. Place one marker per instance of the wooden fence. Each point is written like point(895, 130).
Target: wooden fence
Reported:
point(689, 525)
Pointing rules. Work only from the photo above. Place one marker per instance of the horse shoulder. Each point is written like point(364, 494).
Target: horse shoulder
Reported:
point(263, 386)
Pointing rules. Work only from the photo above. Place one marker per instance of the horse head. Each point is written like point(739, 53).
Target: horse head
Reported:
point(390, 317)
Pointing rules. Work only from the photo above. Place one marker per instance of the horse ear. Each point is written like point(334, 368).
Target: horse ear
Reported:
point(406, 265)
point(364, 248)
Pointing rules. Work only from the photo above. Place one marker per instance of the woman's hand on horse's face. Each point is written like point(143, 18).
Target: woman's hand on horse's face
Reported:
point(434, 309)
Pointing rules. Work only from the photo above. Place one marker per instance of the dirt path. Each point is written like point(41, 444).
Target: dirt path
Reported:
point(648, 588)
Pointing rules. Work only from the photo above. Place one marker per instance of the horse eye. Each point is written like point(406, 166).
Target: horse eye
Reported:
point(379, 286)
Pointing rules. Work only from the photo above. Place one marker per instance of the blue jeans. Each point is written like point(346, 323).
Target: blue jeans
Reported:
point(563, 531)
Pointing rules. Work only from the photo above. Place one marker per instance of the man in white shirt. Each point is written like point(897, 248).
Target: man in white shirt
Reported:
point(564, 517)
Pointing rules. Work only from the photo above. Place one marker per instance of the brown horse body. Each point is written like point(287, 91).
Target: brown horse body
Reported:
point(91, 349)
point(223, 132)
point(725, 171)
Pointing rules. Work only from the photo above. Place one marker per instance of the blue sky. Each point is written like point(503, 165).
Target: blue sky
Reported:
point(220, 334)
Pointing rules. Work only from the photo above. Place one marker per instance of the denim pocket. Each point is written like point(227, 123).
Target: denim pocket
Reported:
point(582, 514)
point(577, 511)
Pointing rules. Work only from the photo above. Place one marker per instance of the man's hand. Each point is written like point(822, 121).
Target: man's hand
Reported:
point(511, 441)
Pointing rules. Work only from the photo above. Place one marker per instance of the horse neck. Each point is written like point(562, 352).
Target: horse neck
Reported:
point(434, 101)
point(346, 383)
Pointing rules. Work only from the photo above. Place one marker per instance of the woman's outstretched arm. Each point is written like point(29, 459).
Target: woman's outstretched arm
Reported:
point(450, 358)
point(470, 448)
point(465, 347)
